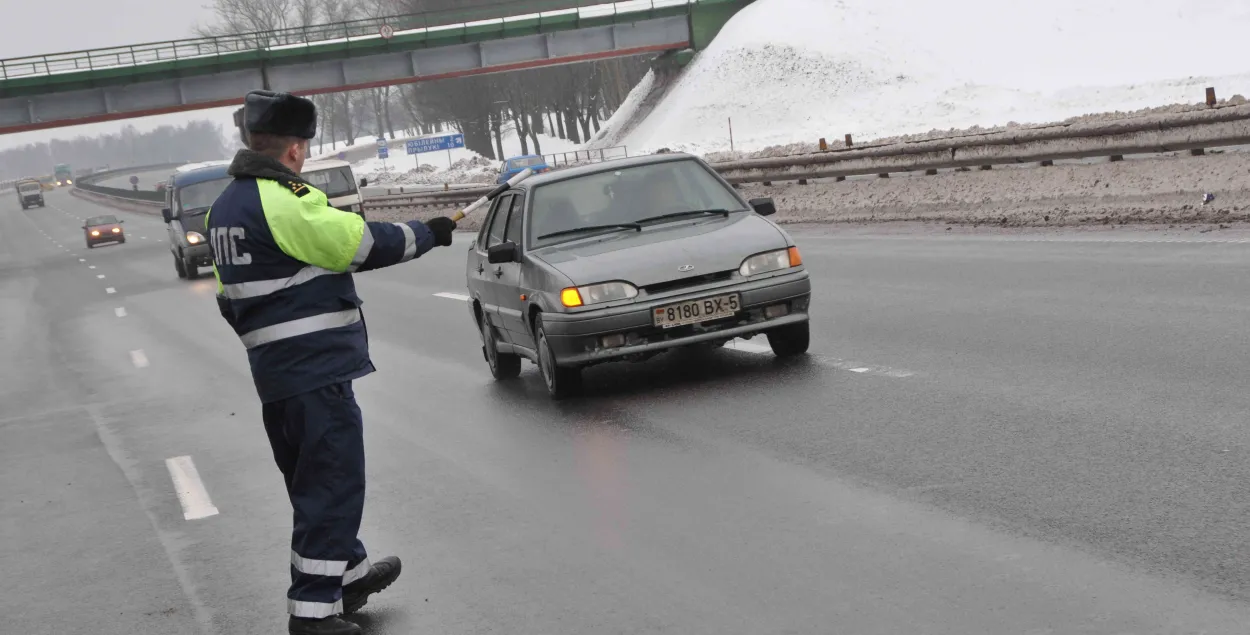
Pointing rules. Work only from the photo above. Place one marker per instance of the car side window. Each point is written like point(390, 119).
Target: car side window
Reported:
point(513, 233)
point(498, 222)
point(490, 218)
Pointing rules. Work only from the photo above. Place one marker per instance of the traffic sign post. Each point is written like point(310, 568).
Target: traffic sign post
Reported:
point(383, 151)
point(434, 144)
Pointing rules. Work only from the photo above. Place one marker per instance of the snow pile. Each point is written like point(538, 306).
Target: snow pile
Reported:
point(473, 169)
point(791, 71)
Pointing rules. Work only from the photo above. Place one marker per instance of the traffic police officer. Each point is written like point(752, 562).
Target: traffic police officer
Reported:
point(284, 261)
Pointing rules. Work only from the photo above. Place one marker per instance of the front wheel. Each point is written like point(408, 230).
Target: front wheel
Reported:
point(561, 381)
point(180, 267)
point(193, 272)
point(790, 341)
point(502, 365)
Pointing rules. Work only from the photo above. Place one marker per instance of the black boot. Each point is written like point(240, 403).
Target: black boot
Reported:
point(329, 626)
point(381, 575)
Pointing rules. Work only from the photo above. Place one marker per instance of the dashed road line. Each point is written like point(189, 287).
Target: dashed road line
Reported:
point(91, 266)
point(139, 358)
point(110, 290)
point(82, 260)
point(196, 504)
point(100, 276)
point(120, 311)
point(824, 360)
point(453, 296)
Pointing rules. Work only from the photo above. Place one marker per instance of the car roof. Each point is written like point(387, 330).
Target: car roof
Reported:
point(324, 164)
point(199, 172)
point(606, 166)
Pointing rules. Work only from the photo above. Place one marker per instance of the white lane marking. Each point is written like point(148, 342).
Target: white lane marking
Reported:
point(110, 290)
point(91, 266)
point(82, 260)
point(139, 358)
point(120, 311)
point(190, 489)
point(749, 347)
point(830, 362)
point(100, 276)
point(453, 296)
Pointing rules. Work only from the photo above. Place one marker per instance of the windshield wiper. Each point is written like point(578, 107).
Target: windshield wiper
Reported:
point(693, 212)
point(578, 230)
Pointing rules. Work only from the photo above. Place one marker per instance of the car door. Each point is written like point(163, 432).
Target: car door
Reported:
point(170, 230)
point(482, 276)
point(508, 275)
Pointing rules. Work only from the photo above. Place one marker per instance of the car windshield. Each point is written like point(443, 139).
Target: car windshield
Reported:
point(28, 187)
point(525, 162)
point(101, 220)
point(625, 196)
point(200, 195)
point(335, 182)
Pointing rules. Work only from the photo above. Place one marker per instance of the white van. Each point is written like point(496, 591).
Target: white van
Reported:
point(336, 179)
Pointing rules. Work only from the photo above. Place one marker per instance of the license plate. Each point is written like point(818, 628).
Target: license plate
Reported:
point(695, 311)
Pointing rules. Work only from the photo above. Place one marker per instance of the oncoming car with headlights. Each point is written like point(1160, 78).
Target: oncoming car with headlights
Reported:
point(103, 229)
point(623, 260)
point(190, 191)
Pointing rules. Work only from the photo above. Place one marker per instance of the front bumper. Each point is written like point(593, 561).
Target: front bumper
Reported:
point(33, 200)
point(199, 255)
point(576, 339)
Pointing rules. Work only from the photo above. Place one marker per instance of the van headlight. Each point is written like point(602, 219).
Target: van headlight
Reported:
point(597, 293)
point(195, 238)
point(770, 261)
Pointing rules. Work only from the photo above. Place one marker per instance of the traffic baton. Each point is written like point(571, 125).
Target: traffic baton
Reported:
point(504, 187)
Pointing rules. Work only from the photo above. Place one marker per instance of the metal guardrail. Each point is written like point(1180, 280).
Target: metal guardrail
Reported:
point(583, 157)
point(1192, 131)
point(367, 28)
point(88, 184)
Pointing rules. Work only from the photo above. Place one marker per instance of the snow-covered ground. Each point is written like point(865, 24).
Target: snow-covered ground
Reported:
point(789, 71)
point(462, 166)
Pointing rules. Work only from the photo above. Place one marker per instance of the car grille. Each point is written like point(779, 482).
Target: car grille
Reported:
point(693, 281)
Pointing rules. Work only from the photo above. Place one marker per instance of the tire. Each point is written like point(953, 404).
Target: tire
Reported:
point(193, 272)
point(561, 381)
point(180, 267)
point(790, 341)
point(502, 365)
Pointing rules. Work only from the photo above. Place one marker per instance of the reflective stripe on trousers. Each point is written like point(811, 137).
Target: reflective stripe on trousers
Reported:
point(315, 610)
point(302, 326)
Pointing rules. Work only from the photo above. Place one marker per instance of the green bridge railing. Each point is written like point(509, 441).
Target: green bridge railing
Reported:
point(431, 25)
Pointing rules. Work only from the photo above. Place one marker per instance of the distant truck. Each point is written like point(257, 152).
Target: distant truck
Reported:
point(29, 193)
point(63, 174)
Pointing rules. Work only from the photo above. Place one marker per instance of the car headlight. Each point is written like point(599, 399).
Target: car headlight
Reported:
point(95, 232)
point(117, 230)
point(597, 293)
point(771, 261)
point(68, 182)
point(195, 238)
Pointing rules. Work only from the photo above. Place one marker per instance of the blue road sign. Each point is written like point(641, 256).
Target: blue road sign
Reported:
point(383, 152)
point(434, 144)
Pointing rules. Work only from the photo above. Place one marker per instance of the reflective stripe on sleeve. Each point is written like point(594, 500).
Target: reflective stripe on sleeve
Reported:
point(302, 326)
point(318, 567)
point(410, 242)
point(362, 252)
point(314, 610)
point(257, 288)
point(357, 572)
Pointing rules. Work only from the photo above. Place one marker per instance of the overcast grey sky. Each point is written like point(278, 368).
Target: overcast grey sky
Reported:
point(30, 27)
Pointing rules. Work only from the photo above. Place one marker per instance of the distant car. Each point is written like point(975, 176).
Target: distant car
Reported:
point(516, 165)
point(103, 229)
point(29, 193)
point(189, 192)
point(626, 259)
point(336, 180)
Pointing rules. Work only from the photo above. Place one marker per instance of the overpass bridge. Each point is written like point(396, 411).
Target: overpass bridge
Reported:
point(66, 89)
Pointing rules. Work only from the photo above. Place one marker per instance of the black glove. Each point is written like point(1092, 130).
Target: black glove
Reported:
point(442, 228)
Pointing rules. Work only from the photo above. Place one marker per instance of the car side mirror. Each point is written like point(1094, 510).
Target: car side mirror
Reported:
point(764, 206)
point(167, 214)
point(503, 252)
point(364, 182)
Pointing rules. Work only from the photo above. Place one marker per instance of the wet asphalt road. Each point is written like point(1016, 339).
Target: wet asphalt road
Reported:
point(994, 434)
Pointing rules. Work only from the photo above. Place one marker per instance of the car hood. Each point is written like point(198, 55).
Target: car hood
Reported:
point(658, 252)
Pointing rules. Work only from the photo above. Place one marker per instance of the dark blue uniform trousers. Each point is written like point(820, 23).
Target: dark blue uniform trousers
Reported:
point(318, 442)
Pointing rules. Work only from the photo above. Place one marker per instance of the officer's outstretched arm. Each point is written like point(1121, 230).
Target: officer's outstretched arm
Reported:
point(313, 232)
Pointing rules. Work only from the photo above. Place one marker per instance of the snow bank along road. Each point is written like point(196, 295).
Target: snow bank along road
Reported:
point(993, 435)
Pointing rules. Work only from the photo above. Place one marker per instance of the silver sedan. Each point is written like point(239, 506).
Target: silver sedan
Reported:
point(623, 260)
